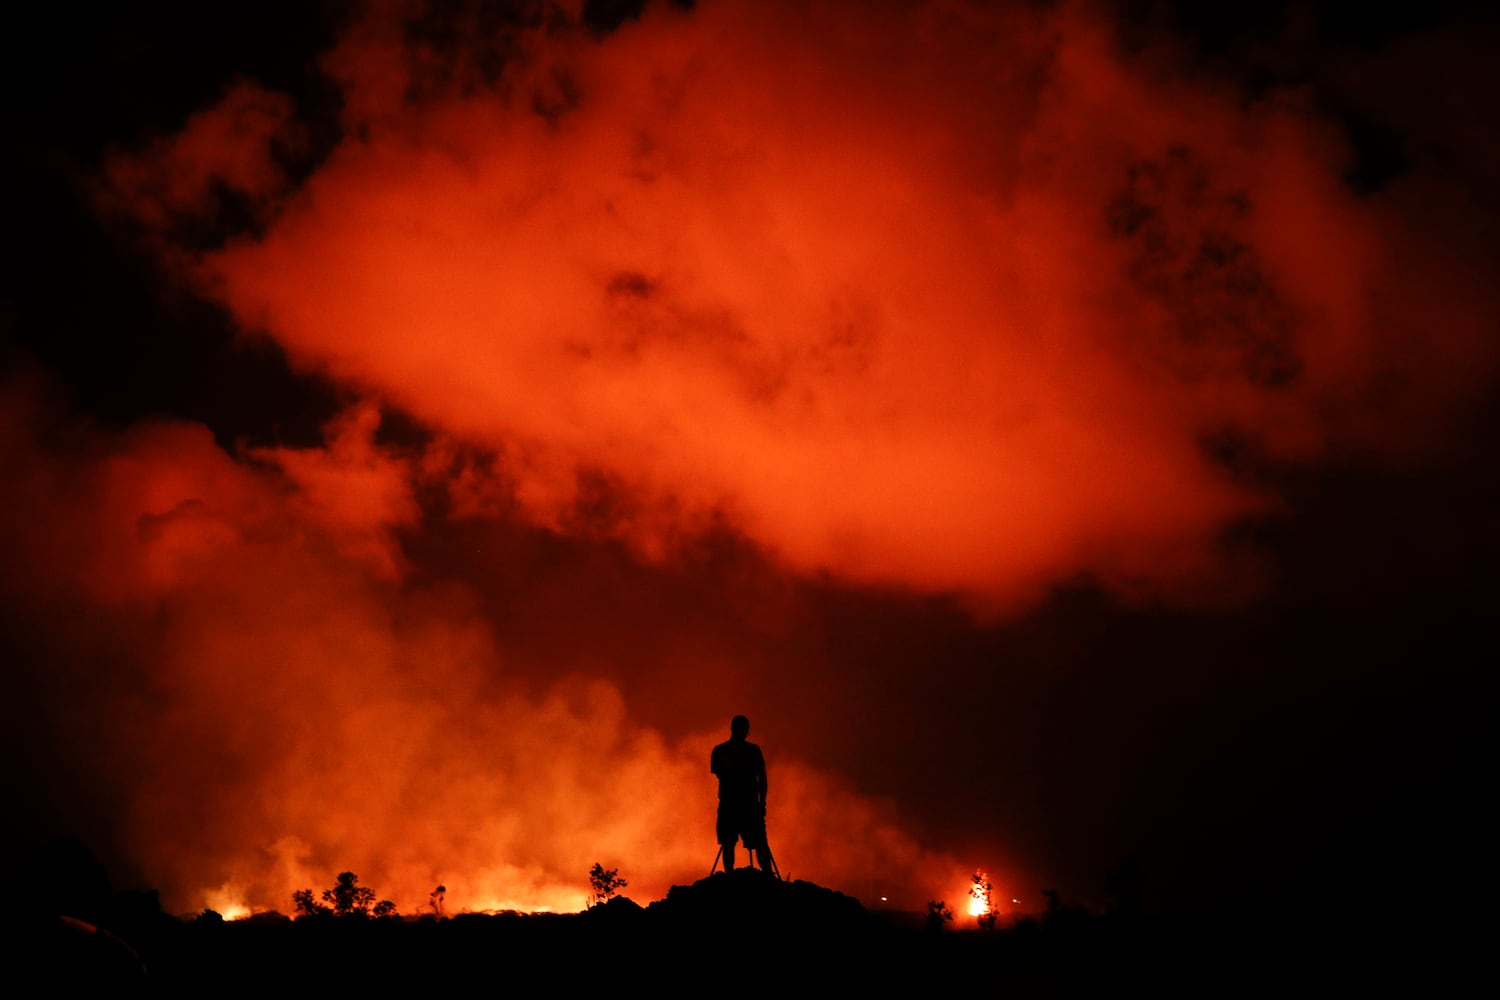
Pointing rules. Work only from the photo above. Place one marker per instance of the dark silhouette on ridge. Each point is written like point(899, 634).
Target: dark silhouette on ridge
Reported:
point(604, 883)
point(799, 937)
point(747, 898)
point(347, 898)
point(741, 770)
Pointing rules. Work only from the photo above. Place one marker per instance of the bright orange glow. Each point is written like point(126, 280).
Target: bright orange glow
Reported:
point(830, 304)
point(228, 901)
point(562, 901)
point(335, 693)
point(962, 300)
point(981, 896)
point(836, 303)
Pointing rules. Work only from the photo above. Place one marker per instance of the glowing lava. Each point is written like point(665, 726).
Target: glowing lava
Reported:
point(981, 906)
point(228, 900)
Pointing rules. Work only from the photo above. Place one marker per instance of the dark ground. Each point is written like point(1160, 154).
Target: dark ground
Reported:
point(745, 934)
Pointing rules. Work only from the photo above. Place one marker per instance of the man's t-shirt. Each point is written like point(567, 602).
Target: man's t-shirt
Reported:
point(739, 765)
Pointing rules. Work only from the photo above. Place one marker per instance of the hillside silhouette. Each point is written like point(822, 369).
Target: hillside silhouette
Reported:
point(743, 932)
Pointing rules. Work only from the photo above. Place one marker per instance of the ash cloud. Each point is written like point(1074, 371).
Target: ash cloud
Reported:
point(817, 311)
point(274, 702)
point(946, 297)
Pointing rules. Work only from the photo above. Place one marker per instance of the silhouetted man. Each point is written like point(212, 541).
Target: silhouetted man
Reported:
point(741, 769)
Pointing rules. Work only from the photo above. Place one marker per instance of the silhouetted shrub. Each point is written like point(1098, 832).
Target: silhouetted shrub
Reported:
point(605, 883)
point(347, 898)
point(307, 904)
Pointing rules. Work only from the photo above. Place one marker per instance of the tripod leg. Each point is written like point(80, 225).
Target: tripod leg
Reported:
point(716, 860)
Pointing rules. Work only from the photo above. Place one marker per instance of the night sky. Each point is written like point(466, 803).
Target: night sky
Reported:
point(1065, 430)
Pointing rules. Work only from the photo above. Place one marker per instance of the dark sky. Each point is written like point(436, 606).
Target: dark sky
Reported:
point(1064, 430)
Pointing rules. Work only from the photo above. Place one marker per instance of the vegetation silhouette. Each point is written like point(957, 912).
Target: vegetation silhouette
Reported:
point(938, 915)
point(604, 883)
point(347, 898)
point(981, 891)
point(811, 939)
point(306, 904)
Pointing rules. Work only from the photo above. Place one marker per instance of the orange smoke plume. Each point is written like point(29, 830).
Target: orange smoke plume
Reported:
point(953, 298)
point(302, 711)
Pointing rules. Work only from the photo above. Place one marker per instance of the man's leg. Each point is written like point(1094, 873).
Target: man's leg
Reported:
point(756, 842)
point(724, 830)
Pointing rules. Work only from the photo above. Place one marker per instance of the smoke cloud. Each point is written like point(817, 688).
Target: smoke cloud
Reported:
point(939, 296)
point(296, 710)
point(962, 301)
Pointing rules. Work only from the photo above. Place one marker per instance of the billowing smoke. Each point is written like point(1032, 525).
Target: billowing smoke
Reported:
point(941, 296)
point(283, 707)
point(958, 300)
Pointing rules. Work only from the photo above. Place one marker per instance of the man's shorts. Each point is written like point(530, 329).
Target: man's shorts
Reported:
point(742, 821)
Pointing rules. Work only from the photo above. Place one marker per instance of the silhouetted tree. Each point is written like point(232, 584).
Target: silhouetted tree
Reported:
point(980, 892)
point(938, 914)
point(435, 900)
point(347, 898)
point(605, 883)
point(210, 917)
point(307, 904)
point(385, 909)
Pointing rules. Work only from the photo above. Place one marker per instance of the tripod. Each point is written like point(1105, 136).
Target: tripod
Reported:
point(762, 855)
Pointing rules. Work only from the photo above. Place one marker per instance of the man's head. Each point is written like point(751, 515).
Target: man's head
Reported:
point(739, 727)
